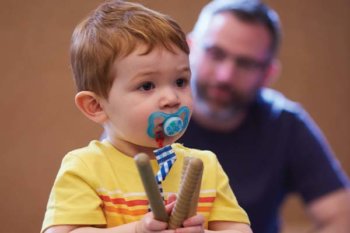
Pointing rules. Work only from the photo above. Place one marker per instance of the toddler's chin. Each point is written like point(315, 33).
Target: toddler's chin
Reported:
point(154, 144)
point(166, 141)
point(173, 139)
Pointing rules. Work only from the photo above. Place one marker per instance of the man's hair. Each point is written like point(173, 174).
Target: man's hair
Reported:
point(251, 11)
point(112, 31)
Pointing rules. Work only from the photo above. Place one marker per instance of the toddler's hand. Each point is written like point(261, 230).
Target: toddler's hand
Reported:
point(194, 224)
point(150, 225)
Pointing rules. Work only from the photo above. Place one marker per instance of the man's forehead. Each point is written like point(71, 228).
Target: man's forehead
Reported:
point(232, 34)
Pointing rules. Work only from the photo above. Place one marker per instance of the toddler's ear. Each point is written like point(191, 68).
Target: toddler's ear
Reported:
point(89, 104)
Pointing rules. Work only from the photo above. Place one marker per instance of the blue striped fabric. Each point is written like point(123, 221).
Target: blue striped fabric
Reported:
point(165, 157)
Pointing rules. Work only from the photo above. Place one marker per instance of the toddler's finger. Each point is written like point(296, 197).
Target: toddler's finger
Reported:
point(152, 224)
point(171, 198)
point(194, 229)
point(169, 207)
point(194, 221)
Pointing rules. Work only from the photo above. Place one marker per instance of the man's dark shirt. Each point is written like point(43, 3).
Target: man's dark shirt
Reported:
point(277, 150)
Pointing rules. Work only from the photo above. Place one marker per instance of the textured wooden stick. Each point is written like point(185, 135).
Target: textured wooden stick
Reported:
point(195, 198)
point(187, 189)
point(151, 187)
point(184, 167)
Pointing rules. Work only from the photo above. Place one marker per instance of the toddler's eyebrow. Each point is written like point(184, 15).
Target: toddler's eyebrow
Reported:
point(184, 69)
point(156, 72)
point(145, 74)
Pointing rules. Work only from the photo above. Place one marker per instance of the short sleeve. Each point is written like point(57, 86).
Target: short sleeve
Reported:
point(225, 206)
point(73, 199)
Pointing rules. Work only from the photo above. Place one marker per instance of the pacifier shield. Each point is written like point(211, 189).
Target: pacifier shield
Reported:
point(170, 124)
point(173, 125)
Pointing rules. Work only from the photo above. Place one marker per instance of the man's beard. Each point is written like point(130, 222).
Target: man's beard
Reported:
point(221, 109)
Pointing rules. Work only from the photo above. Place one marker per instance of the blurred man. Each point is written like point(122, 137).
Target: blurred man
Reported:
point(268, 145)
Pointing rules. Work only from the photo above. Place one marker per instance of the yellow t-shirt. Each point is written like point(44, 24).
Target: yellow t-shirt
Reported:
point(98, 185)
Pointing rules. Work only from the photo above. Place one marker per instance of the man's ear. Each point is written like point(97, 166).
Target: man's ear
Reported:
point(89, 104)
point(189, 39)
point(273, 72)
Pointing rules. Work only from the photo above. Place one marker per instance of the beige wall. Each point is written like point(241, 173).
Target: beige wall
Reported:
point(40, 122)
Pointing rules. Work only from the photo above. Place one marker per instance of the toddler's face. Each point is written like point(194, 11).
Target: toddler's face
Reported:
point(144, 84)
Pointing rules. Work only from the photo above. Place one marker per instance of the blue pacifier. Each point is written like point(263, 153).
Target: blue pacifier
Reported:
point(171, 124)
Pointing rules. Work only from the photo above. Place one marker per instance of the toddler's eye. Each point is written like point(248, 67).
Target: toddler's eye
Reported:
point(146, 86)
point(181, 82)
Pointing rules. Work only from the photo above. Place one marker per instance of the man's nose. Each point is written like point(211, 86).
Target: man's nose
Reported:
point(226, 71)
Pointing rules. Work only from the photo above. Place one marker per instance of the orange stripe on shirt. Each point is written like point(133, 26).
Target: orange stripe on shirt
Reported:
point(126, 211)
point(133, 203)
point(203, 200)
point(123, 201)
point(204, 208)
point(206, 199)
point(144, 211)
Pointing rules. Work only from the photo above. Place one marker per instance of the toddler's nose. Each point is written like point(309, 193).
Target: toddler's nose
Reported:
point(169, 99)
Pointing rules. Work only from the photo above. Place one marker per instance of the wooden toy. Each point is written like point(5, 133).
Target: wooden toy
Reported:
point(151, 187)
point(188, 195)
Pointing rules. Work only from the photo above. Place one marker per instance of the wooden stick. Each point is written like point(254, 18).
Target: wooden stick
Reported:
point(195, 198)
point(184, 167)
point(151, 187)
point(189, 185)
point(194, 203)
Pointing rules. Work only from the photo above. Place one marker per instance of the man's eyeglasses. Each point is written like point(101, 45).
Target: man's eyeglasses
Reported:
point(243, 63)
